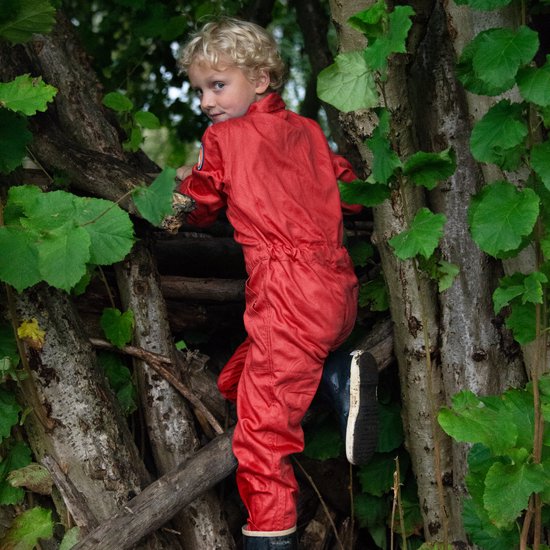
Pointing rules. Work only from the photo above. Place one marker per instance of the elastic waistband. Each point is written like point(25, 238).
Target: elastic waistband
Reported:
point(310, 252)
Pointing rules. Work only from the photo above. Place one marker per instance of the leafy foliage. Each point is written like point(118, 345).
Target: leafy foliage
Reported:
point(26, 530)
point(53, 237)
point(25, 18)
point(118, 326)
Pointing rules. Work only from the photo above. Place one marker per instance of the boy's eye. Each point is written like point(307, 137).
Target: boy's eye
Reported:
point(218, 85)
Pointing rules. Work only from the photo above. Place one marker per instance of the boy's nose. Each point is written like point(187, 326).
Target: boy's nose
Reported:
point(207, 101)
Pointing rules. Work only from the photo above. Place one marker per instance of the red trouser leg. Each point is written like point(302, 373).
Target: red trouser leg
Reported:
point(228, 379)
point(295, 315)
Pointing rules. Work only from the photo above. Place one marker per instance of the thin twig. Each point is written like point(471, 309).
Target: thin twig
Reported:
point(158, 362)
point(320, 497)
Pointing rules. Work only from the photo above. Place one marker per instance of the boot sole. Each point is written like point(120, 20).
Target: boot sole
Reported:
point(362, 427)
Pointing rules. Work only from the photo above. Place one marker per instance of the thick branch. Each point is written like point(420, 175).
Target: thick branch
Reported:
point(161, 500)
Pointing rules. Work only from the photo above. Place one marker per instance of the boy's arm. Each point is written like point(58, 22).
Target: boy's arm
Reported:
point(203, 182)
point(344, 172)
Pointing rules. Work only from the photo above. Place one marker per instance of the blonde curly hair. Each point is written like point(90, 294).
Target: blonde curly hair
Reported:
point(246, 45)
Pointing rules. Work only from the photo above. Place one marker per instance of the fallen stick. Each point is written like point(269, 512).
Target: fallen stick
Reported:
point(161, 500)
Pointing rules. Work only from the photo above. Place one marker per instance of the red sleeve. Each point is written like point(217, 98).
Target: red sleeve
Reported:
point(205, 184)
point(344, 172)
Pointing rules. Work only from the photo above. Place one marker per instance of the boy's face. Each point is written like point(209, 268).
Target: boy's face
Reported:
point(225, 91)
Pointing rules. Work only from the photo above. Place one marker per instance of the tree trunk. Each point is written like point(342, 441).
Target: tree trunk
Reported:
point(75, 420)
point(467, 348)
point(169, 421)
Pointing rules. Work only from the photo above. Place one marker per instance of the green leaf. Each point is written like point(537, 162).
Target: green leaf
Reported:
point(27, 529)
point(469, 78)
point(371, 22)
point(9, 413)
point(483, 532)
point(509, 288)
point(500, 131)
point(390, 433)
point(385, 159)
point(392, 41)
point(501, 215)
point(508, 488)
point(118, 102)
point(484, 5)
point(155, 201)
point(540, 162)
point(348, 84)
point(19, 265)
point(109, 227)
point(33, 16)
point(120, 380)
point(118, 326)
point(422, 237)
point(446, 274)
point(147, 120)
point(363, 192)
point(374, 295)
point(63, 255)
point(14, 138)
point(522, 322)
point(18, 456)
point(502, 52)
point(371, 511)
point(534, 84)
point(479, 420)
point(376, 477)
point(134, 141)
point(360, 252)
point(323, 440)
point(26, 94)
point(428, 169)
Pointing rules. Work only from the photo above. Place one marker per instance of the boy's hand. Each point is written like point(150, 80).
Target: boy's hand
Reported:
point(182, 172)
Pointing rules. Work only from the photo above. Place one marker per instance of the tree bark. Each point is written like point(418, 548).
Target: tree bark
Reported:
point(169, 421)
point(164, 498)
point(74, 417)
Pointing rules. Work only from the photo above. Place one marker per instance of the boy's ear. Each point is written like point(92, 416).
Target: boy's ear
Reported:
point(262, 82)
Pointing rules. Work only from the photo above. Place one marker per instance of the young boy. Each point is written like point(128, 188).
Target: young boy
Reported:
point(274, 173)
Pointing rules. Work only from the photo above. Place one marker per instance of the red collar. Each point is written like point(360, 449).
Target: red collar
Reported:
point(268, 104)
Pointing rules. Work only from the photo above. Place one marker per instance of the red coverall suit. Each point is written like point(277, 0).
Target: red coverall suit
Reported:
point(274, 172)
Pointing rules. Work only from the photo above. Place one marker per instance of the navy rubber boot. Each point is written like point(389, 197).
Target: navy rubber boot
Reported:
point(349, 382)
point(276, 540)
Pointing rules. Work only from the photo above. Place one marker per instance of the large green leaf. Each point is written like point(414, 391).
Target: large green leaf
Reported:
point(522, 322)
point(534, 84)
point(14, 138)
point(528, 287)
point(348, 84)
point(9, 413)
point(18, 456)
point(33, 16)
point(484, 5)
point(154, 202)
point(26, 94)
point(428, 169)
point(63, 254)
point(363, 192)
point(109, 227)
point(392, 41)
point(469, 78)
point(501, 130)
point(502, 52)
point(376, 477)
point(508, 488)
point(540, 162)
point(385, 160)
point(501, 215)
point(422, 237)
point(479, 420)
point(118, 326)
point(371, 22)
point(27, 529)
point(19, 259)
